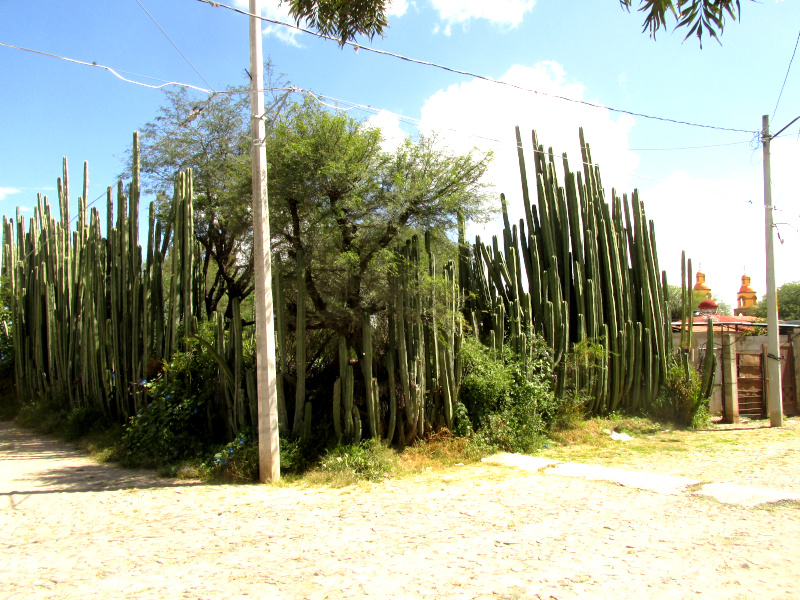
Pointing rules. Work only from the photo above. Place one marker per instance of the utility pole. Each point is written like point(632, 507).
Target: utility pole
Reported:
point(269, 461)
point(774, 387)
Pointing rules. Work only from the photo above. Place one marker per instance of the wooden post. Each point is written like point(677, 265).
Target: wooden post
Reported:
point(269, 467)
point(773, 354)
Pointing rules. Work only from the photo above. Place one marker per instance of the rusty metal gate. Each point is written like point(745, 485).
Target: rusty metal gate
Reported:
point(752, 382)
point(750, 371)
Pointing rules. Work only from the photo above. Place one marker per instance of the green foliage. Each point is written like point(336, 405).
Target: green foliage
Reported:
point(345, 204)
point(681, 399)
point(9, 404)
point(342, 19)
point(369, 460)
point(175, 424)
point(788, 303)
point(462, 424)
point(673, 300)
point(510, 407)
point(236, 461)
point(83, 421)
point(697, 16)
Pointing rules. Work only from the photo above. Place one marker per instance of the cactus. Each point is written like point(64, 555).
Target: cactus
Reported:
point(300, 344)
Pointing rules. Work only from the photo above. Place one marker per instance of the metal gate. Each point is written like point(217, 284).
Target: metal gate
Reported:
point(752, 382)
point(750, 370)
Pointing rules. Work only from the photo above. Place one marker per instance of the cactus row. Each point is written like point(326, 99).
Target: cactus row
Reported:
point(92, 318)
point(591, 272)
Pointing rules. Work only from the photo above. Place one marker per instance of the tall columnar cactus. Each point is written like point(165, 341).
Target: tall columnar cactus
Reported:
point(591, 272)
point(89, 311)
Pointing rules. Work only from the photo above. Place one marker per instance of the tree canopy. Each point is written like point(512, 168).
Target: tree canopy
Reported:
point(345, 204)
point(212, 138)
point(345, 19)
point(788, 302)
point(335, 195)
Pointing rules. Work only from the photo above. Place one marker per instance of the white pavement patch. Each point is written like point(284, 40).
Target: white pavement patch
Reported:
point(727, 493)
point(730, 493)
point(663, 484)
point(529, 463)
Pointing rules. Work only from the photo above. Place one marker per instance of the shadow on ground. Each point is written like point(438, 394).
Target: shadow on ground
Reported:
point(52, 466)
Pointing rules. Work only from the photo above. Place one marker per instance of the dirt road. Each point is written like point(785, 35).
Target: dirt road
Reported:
point(75, 529)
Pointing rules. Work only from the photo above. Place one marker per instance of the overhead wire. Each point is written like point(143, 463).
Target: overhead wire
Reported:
point(470, 74)
point(319, 98)
point(336, 102)
point(152, 18)
point(791, 60)
point(109, 69)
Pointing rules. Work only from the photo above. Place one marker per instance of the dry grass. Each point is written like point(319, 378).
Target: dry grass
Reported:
point(752, 450)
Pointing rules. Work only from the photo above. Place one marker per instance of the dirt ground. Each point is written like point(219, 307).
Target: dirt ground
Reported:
point(75, 529)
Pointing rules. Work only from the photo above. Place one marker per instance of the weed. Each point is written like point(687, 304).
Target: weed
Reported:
point(345, 465)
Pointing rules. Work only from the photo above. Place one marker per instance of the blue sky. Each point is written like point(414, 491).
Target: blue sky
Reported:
point(708, 201)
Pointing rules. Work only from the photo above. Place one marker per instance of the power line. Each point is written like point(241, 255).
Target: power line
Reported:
point(418, 124)
point(787, 75)
point(109, 69)
point(687, 147)
point(152, 18)
point(317, 97)
point(473, 75)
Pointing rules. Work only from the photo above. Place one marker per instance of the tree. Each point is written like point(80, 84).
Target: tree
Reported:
point(343, 204)
point(212, 138)
point(344, 19)
point(695, 15)
point(674, 305)
point(788, 303)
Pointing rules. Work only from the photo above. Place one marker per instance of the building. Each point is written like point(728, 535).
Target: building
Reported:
point(746, 298)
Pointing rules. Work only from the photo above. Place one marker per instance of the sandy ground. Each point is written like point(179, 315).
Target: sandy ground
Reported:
point(75, 529)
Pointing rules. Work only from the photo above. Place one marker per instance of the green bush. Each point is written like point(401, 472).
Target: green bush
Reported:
point(345, 464)
point(681, 398)
point(83, 421)
point(176, 423)
point(511, 405)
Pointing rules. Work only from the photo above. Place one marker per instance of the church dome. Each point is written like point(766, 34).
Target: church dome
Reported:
point(701, 285)
point(708, 304)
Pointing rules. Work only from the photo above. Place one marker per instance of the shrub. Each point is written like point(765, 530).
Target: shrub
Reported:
point(176, 423)
point(369, 460)
point(681, 398)
point(511, 404)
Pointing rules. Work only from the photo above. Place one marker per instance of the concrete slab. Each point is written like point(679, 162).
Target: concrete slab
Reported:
point(529, 463)
point(741, 495)
point(663, 484)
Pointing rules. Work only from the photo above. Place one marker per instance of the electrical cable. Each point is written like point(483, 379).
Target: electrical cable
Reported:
point(109, 69)
point(473, 75)
point(787, 75)
point(152, 18)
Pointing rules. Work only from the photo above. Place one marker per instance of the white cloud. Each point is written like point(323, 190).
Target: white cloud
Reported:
point(279, 11)
point(391, 133)
point(501, 12)
point(483, 115)
point(720, 223)
point(7, 191)
point(284, 34)
point(397, 8)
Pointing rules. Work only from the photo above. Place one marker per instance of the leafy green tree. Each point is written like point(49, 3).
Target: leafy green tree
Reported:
point(788, 303)
point(343, 203)
point(212, 138)
point(675, 307)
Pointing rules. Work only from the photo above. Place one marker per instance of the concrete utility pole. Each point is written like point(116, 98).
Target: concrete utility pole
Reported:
point(269, 461)
point(774, 386)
